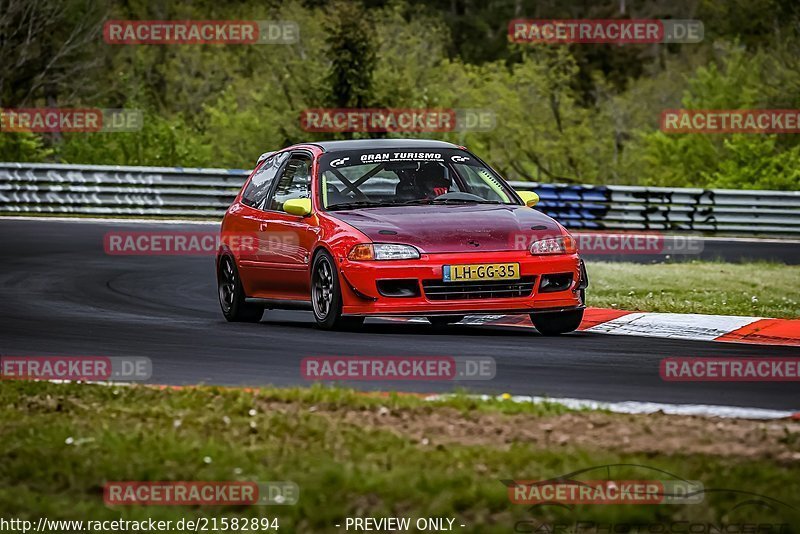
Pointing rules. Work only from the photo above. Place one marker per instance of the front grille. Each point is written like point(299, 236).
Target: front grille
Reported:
point(486, 289)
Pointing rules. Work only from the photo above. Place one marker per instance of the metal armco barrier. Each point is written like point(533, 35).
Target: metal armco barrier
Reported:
point(206, 193)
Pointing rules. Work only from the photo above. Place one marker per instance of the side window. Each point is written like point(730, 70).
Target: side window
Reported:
point(295, 182)
point(480, 182)
point(256, 191)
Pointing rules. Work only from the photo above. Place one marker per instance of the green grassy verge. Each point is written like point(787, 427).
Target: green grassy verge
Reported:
point(60, 443)
point(759, 289)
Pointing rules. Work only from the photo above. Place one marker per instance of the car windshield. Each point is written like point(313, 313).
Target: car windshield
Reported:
point(363, 179)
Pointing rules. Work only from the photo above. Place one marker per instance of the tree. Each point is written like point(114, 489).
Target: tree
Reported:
point(46, 48)
point(352, 55)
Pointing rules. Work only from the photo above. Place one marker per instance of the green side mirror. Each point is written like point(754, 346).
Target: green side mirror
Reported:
point(529, 198)
point(298, 206)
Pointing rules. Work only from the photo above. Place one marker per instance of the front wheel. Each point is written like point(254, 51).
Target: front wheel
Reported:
point(231, 295)
point(554, 323)
point(326, 296)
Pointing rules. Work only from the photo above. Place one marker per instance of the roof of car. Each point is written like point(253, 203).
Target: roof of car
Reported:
point(362, 144)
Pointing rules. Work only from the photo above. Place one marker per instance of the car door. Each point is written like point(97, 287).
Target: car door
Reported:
point(252, 219)
point(288, 239)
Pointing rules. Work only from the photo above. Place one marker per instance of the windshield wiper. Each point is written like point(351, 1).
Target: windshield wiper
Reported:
point(449, 201)
point(464, 201)
point(359, 204)
point(417, 201)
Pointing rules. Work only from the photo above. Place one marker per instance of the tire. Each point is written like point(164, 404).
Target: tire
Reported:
point(553, 324)
point(326, 296)
point(444, 320)
point(231, 294)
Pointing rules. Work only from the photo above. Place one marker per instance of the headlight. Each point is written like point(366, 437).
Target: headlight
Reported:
point(383, 251)
point(555, 245)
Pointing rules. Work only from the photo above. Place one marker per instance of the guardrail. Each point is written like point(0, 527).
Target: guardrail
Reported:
point(206, 193)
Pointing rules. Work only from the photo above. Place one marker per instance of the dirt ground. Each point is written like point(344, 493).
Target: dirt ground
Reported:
point(653, 433)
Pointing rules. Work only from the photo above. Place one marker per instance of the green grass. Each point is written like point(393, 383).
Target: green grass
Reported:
point(757, 289)
point(342, 468)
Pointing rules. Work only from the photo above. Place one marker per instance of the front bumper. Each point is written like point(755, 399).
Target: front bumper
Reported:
point(361, 296)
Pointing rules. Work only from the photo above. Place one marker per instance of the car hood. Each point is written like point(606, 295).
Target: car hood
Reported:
point(454, 228)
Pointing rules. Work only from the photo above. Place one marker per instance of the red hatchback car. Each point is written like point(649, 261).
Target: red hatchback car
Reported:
point(382, 227)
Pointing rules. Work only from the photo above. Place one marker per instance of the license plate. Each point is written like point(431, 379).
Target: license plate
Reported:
point(480, 271)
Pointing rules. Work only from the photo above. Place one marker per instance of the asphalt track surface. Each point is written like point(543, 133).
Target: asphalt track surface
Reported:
point(62, 295)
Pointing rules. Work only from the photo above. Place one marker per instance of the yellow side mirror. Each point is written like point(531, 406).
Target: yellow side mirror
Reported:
point(529, 198)
point(297, 206)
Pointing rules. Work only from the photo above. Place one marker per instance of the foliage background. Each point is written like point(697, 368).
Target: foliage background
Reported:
point(565, 113)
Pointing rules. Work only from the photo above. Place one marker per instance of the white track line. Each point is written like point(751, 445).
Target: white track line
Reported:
point(637, 407)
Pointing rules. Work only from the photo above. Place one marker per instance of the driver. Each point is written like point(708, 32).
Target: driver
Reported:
point(431, 180)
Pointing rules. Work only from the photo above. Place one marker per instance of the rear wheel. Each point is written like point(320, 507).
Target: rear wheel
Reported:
point(231, 294)
point(444, 320)
point(552, 324)
point(326, 296)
